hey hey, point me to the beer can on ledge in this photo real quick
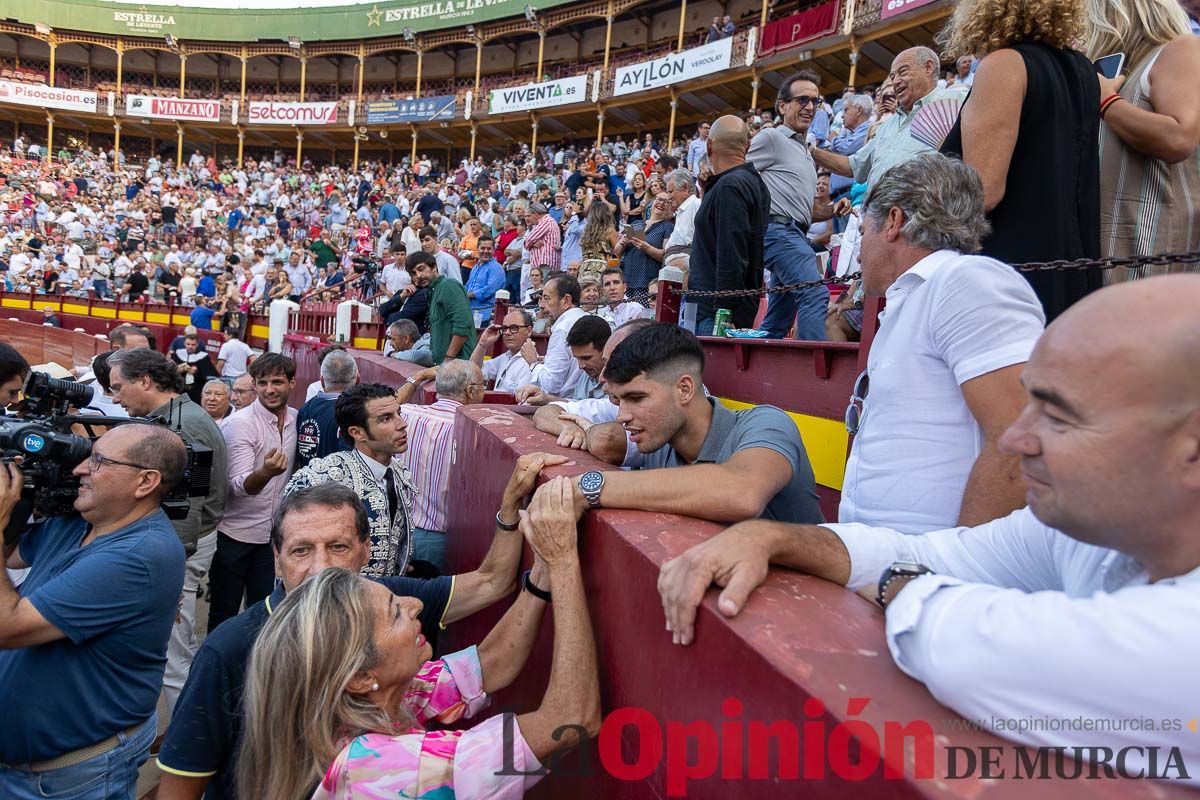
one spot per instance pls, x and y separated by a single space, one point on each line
722 321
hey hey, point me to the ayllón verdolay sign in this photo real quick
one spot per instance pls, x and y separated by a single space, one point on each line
266 113
142 105
675 68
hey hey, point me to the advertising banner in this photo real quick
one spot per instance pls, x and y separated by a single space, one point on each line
271 20
675 68
426 109
267 113
36 94
798 29
183 109
538 95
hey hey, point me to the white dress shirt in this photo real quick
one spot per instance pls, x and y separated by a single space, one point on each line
950 318
685 228
625 311
1021 621
510 371
559 371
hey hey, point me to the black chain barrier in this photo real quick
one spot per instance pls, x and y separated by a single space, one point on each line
1128 262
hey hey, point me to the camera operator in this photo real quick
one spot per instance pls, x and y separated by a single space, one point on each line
83 644
146 384
14 369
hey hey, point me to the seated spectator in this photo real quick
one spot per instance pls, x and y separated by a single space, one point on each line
1093 585
83 642
319 527
510 370
427 457
569 420
726 465
943 378
371 699
406 343
617 308
586 339
558 372
316 426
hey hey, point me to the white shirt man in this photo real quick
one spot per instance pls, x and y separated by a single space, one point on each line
559 371
19 263
949 318
236 355
685 228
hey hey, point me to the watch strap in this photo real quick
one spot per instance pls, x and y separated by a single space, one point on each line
506 526
528 585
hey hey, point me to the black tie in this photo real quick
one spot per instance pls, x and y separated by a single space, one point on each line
393 496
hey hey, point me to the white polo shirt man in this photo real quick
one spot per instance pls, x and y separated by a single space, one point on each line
948 319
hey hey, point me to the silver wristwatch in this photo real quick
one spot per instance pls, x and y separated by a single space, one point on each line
591 484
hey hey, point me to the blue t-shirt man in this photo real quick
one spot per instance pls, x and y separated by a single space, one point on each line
485 281
388 212
317 429
207 286
114 601
235 219
202 317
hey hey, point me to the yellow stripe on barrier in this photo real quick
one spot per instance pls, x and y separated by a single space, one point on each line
261 331
181 319
71 309
107 313
161 319
132 316
824 439
363 343
10 302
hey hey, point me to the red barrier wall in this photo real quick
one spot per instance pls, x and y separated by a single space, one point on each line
798 638
41 344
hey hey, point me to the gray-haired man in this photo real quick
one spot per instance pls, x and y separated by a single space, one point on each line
406 343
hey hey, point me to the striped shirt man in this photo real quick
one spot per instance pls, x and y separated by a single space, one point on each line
544 240
430 444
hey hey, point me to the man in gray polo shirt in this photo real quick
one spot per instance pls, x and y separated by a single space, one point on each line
731 465
781 157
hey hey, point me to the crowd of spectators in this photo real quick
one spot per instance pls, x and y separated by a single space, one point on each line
1025 452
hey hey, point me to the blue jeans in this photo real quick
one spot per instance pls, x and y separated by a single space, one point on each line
430 546
108 776
512 282
789 258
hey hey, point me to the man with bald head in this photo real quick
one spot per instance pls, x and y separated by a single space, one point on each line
731 225
83 643
1082 604
914 76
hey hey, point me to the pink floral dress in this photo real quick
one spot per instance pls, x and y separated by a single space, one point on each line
436 765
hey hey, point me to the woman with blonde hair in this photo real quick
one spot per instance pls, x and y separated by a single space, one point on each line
340 685
1031 128
1150 132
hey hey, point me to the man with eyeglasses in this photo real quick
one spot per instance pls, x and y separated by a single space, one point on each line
147 384
782 158
510 370
83 642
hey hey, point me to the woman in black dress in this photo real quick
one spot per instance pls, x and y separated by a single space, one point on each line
1031 128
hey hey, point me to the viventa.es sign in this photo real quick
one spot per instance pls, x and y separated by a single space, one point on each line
538 95
675 68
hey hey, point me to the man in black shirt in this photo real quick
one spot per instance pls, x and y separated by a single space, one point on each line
731 224
136 284
316 424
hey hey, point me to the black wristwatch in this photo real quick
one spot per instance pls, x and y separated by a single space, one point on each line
528 585
898 570
506 526
591 484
